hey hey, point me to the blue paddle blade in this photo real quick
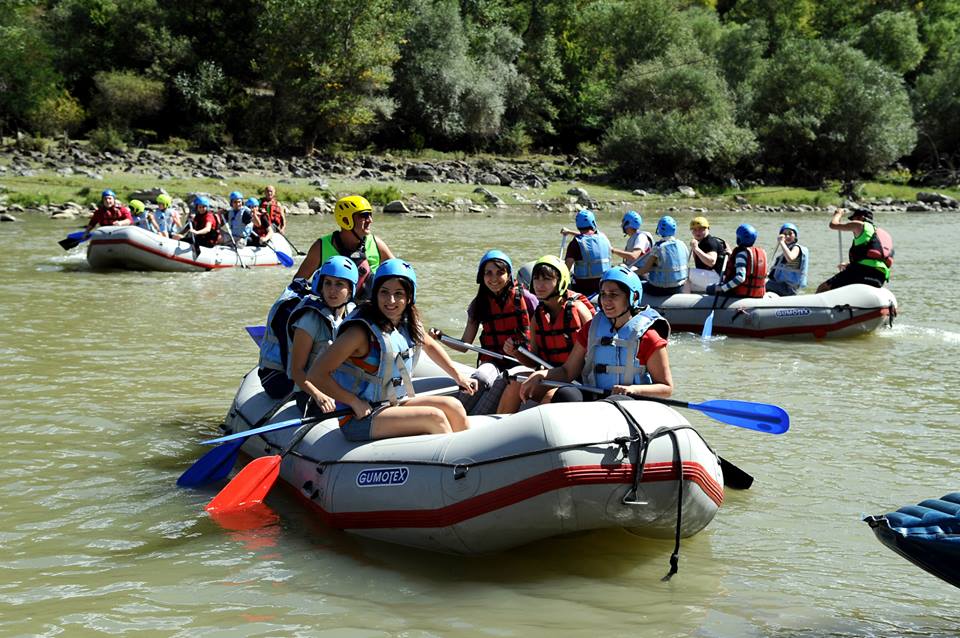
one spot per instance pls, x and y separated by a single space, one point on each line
256 333
285 260
212 466
708 327
80 234
762 417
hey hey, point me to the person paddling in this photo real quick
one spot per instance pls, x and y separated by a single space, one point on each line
314 322
622 350
639 242
205 226
239 219
870 255
746 271
789 271
355 239
109 213
164 215
372 360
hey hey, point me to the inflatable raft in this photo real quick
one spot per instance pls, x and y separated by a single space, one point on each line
507 481
134 248
927 535
843 312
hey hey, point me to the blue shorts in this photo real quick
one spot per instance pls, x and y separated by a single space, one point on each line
357 430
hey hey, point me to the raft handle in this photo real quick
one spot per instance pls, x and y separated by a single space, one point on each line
460 471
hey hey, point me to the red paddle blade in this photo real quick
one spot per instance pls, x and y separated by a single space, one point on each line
249 486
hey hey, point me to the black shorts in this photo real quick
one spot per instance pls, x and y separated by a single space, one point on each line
857 274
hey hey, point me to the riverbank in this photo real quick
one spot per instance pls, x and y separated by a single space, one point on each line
64 179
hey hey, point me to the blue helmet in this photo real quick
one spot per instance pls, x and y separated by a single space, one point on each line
396 268
337 266
107 193
235 195
201 201
490 255
631 219
746 235
252 202
667 226
585 219
790 226
627 278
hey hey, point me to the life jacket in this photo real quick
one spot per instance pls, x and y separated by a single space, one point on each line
877 251
671 268
612 355
164 220
261 222
594 256
141 221
634 242
512 319
385 374
240 222
555 336
275 347
211 238
755 285
274 212
792 274
367 257
112 215
329 322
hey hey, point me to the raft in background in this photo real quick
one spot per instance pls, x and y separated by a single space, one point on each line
927 535
133 248
843 312
507 481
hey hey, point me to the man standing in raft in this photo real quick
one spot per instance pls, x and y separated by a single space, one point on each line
870 256
354 216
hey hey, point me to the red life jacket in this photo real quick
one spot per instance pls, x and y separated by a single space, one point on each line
200 221
512 319
274 213
755 283
261 222
555 337
879 248
112 215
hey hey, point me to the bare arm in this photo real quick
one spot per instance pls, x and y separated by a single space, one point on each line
439 356
351 343
385 252
569 371
658 365
302 345
311 262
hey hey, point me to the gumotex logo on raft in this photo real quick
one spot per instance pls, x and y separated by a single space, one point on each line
793 312
382 476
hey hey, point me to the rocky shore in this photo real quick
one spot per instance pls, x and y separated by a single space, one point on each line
521 176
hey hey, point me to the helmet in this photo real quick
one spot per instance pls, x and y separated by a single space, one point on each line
490 255
164 200
137 206
699 222
626 277
235 195
107 193
345 208
667 226
746 235
201 201
585 219
252 202
396 268
790 226
337 266
631 219
554 262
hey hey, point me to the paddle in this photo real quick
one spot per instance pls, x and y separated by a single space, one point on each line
469 346
256 333
254 481
285 260
193 239
762 417
233 241
74 239
707 331
218 462
529 355
299 252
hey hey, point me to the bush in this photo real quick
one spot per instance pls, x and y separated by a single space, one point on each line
174 144
124 97
515 140
382 194
34 143
57 114
106 139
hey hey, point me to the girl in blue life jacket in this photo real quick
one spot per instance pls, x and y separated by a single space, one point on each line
372 360
622 350
313 324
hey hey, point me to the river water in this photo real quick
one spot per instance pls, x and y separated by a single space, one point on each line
110 379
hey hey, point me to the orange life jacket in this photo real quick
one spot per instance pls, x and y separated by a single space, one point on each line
512 319
755 283
555 335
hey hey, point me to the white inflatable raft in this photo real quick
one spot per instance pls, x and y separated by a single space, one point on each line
134 248
843 312
507 481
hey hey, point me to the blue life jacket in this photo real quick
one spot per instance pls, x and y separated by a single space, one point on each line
671 268
794 275
386 373
612 355
594 256
141 221
164 221
241 222
329 322
275 347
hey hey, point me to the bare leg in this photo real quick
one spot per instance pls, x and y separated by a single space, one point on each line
510 399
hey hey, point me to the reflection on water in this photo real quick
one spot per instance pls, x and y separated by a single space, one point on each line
111 379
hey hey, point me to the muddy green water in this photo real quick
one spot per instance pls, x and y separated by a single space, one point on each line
109 380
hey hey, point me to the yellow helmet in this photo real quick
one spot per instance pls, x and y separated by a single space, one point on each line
164 200
699 222
137 206
559 266
346 207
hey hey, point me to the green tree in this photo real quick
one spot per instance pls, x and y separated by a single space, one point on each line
938 112
124 98
27 74
330 64
891 38
57 114
826 109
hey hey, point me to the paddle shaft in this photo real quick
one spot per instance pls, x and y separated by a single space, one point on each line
469 346
529 355
295 249
235 248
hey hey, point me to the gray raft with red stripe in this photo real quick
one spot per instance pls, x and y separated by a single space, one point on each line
507 481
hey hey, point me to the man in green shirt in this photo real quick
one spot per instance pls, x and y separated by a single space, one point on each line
870 254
